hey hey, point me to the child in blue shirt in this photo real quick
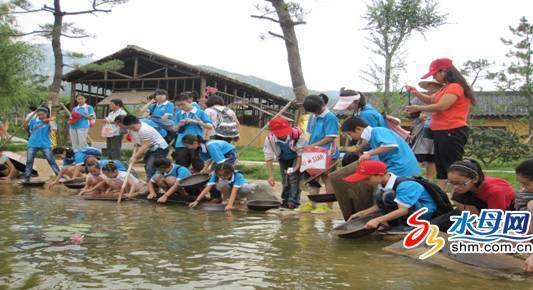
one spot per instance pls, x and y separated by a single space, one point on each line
218 151
159 112
79 128
40 129
74 161
229 182
323 127
188 121
167 177
393 199
385 145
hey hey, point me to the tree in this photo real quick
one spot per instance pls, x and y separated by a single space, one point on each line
518 75
19 86
58 29
390 24
288 15
491 145
475 68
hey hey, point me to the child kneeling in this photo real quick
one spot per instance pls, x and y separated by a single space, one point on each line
167 177
113 181
393 199
229 182
93 179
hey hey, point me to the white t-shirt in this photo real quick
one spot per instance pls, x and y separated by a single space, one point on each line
111 118
122 176
148 133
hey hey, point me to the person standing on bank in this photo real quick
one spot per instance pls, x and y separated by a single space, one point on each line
80 121
114 139
450 107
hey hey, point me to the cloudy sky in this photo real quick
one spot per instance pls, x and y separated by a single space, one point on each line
333 43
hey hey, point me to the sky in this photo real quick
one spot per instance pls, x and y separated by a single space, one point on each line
333 44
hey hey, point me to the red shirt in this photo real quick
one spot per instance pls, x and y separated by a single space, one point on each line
496 192
456 115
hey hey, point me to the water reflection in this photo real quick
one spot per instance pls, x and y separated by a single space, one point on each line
148 246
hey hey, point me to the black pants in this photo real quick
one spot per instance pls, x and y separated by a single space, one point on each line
468 198
449 148
114 146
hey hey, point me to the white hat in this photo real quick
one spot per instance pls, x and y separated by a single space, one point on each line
345 101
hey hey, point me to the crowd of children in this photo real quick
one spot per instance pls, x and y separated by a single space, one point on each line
387 163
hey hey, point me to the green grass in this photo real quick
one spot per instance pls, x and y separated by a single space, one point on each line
251 154
258 172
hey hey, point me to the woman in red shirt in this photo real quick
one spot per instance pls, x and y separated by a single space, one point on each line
450 107
473 191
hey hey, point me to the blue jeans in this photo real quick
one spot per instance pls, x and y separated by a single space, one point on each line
150 157
30 156
291 183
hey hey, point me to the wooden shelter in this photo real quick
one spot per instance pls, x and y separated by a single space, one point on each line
145 71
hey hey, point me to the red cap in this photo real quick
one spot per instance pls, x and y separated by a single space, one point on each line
437 65
280 127
366 169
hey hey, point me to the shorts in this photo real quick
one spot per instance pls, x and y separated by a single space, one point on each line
243 192
449 148
116 184
425 158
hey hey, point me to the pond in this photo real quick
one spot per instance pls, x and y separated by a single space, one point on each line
141 245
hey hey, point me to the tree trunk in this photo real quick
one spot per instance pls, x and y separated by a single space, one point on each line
53 94
386 85
293 55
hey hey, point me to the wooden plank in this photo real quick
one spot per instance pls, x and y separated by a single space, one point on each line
146 79
152 72
136 67
121 74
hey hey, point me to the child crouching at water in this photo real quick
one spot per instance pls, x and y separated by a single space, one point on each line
229 182
94 177
219 151
112 183
394 199
167 177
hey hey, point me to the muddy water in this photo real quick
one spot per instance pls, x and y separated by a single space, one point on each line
139 245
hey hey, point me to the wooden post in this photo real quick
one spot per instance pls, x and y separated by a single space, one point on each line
202 87
72 92
136 68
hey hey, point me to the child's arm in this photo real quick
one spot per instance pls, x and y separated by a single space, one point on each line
96 187
58 177
151 190
169 192
375 222
365 212
380 150
132 187
201 196
298 164
271 179
77 171
144 109
86 187
324 141
232 198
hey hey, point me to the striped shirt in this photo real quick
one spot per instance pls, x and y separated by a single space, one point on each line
148 133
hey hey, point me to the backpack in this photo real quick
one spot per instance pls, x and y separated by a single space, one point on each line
444 205
226 127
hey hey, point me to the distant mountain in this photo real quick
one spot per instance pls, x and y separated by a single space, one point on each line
269 86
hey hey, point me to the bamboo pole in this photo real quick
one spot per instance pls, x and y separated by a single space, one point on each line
130 166
266 126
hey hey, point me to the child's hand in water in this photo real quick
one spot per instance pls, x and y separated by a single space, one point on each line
356 215
193 204
228 207
151 195
162 199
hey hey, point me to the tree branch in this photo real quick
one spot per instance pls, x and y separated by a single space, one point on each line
33 32
265 17
294 23
87 12
280 36
30 11
75 36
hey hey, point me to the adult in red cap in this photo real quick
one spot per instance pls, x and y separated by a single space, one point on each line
395 197
285 144
450 107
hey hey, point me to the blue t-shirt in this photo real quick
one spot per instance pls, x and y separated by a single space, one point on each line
160 110
237 180
82 123
190 128
400 161
195 104
40 138
178 171
372 117
120 166
215 150
413 195
156 126
321 126
81 154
